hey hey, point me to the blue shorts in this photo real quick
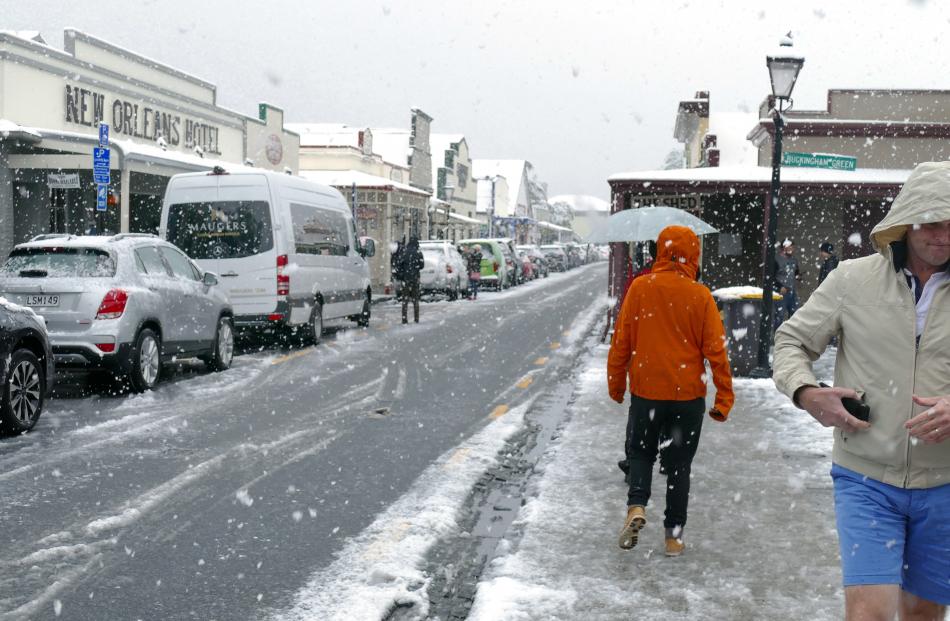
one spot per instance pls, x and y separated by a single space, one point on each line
891 535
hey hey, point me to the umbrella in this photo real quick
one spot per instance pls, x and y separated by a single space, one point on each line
645 224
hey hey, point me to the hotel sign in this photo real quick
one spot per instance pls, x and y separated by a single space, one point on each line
133 120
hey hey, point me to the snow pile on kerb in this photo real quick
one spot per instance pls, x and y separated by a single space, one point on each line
381 568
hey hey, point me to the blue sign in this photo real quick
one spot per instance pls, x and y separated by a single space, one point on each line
102 197
100 165
103 134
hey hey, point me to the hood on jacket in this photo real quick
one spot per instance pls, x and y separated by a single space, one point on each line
924 198
677 249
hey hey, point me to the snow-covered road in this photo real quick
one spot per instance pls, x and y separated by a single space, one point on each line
226 495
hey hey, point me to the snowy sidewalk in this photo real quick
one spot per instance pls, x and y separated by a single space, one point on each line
761 541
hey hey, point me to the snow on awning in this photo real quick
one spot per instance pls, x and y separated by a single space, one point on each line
763 174
9 129
346 178
553 227
465 219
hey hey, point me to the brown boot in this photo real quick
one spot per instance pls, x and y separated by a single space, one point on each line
630 534
674 541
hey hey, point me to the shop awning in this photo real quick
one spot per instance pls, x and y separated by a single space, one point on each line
553 227
363 181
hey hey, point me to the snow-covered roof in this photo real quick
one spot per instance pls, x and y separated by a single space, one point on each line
581 202
731 130
392 144
346 178
326 134
763 174
511 170
30 35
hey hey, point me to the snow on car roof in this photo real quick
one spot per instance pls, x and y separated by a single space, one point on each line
87 241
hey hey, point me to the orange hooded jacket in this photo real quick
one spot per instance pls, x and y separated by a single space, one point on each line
668 324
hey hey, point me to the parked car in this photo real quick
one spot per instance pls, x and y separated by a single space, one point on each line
286 248
537 259
125 303
556 257
495 270
444 270
26 367
515 273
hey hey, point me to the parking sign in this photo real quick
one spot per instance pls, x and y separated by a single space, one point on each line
100 165
103 134
102 197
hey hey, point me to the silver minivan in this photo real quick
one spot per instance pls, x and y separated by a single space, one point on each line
285 248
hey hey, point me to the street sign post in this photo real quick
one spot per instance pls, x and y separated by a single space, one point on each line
103 135
819 160
102 197
100 165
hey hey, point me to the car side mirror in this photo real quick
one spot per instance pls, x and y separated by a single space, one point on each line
367 247
209 279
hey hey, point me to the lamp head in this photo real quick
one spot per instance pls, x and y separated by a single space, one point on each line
784 66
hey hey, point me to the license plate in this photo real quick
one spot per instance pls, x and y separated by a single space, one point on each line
42 300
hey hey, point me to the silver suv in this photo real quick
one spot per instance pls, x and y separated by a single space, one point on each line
125 303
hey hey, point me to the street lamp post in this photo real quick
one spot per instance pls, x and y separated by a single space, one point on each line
783 70
448 191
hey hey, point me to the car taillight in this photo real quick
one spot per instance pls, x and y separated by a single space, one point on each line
107 348
113 304
283 280
495 264
448 269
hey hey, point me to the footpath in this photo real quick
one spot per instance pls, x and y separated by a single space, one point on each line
760 539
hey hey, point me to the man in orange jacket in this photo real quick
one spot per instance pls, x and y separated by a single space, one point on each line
668 325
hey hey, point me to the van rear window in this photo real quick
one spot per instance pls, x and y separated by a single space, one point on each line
221 229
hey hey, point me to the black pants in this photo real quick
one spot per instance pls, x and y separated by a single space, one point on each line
410 293
670 428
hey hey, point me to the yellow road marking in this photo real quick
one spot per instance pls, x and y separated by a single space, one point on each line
296 354
525 382
555 345
499 411
541 360
457 457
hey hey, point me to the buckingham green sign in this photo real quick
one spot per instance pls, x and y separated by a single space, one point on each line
819 160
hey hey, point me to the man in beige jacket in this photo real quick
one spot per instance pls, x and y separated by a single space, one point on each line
891 313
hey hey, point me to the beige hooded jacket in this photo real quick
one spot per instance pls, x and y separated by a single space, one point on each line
869 305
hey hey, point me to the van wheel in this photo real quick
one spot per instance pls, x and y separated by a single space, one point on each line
223 353
316 323
23 392
146 361
362 320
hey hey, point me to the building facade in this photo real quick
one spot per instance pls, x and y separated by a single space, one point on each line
881 135
162 121
453 210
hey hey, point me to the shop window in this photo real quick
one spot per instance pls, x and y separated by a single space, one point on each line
730 244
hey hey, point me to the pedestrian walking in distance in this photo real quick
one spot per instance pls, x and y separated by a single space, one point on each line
787 275
411 263
473 261
891 461
395 262
668 325
828 260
